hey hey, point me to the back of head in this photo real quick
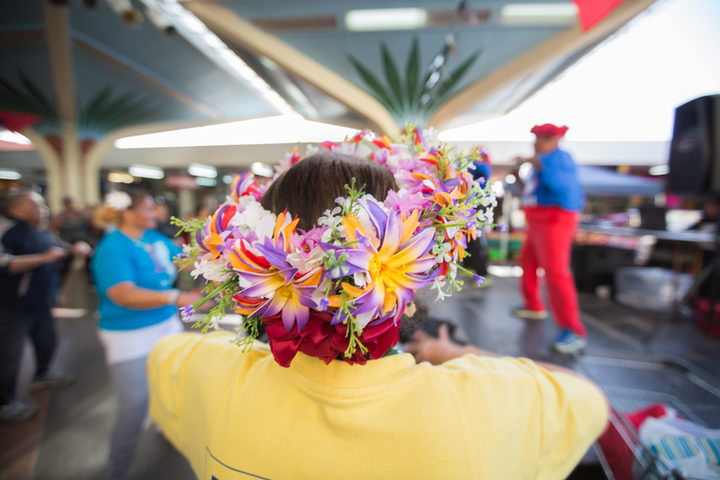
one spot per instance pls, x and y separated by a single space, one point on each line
311 186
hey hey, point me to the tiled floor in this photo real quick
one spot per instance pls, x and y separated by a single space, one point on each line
630 355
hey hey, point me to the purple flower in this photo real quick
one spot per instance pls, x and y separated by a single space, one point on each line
395 257
478 279
186 312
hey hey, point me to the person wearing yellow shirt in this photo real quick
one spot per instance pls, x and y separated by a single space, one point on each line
246 414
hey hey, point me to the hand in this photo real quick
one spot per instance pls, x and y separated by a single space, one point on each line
434 350
193 296
188 298
80 249
53 254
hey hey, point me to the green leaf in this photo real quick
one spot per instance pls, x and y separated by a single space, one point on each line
373 83
96 102
392 76
14 98
446 86
46 105
104 113
412 72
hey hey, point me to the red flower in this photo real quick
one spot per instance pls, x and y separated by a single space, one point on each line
328 342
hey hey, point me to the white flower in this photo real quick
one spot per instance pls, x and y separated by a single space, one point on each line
254 218
363 319
118 200
361 279
437 284
431 136
347 148
215 271
311 149
332 220
306 262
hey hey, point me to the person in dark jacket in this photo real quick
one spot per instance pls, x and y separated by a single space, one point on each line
26 300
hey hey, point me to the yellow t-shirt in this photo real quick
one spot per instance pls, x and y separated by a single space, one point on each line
238 415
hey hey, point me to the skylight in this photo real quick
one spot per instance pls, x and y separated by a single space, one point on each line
628 88
290 128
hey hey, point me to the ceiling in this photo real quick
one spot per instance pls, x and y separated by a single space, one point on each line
301 49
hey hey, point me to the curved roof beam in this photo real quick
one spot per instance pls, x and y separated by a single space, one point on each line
229 25
557 47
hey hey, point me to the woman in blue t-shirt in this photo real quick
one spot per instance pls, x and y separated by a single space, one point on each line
134 273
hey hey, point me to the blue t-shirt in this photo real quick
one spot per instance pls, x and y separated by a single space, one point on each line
558 182
146 262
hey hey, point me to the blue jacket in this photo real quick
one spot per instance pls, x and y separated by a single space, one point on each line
36 288
558 182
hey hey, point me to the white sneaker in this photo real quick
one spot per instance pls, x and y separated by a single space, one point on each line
568 342
17 411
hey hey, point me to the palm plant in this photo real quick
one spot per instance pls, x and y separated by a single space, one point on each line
414 98
105 111
29 99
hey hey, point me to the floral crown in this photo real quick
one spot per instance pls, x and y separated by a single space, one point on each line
118 200
339 289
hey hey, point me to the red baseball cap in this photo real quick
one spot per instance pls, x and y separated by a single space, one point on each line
549 130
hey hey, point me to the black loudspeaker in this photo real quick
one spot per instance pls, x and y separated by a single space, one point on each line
695 148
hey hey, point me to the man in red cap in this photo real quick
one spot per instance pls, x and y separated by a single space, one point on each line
552 212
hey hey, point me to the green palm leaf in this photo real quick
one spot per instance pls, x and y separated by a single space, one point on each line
445 88
97 102
104 113
413 100
374 84
412 71
392 76
44 103
14 98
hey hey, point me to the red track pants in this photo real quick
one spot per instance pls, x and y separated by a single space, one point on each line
549 242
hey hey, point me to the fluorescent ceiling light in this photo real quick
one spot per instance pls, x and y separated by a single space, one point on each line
205 182
146 171
260 131
120 177
385 19
13 137
197 34
538 14
200 170
10 175
658 170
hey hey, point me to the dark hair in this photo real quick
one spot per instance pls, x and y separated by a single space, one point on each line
16 199
311 186
137 196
